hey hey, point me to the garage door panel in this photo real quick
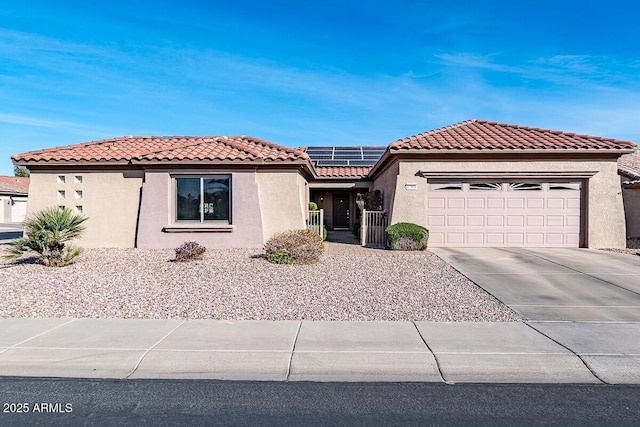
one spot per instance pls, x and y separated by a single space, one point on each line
536 203
455 237
572 220
475 203
535 239
514 238
573 203
493 203
436 238
515 221
495 220
505 216
455 220
495 239
455 203
436 202
436 220
515 203
555 203
572 239
555 239
475 221
555 221
535 220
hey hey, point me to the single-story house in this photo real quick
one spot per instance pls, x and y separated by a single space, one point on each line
13 196
475 183
629 170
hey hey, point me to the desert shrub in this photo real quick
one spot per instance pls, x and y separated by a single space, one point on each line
405 236
47 233
190 251
355 228
294 247
313 206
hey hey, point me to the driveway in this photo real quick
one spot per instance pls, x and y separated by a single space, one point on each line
580 285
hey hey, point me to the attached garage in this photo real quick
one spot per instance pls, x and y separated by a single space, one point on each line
479 183
508 213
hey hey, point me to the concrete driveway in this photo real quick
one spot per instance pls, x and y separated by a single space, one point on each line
578 285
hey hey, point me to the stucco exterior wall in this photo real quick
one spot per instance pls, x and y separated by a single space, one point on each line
283 201
109 200
387 183
324 200
156 212
605 214
631 198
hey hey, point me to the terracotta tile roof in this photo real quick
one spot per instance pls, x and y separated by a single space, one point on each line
342 171
14 185
629 165
15 181
165 148
484 135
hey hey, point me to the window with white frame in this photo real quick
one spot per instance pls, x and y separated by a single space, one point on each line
202 198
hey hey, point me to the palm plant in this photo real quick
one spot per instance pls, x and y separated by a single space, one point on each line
47 233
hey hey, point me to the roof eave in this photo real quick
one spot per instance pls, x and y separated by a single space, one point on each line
618 151
28 163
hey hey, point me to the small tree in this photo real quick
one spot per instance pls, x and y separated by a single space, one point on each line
47 233
21 172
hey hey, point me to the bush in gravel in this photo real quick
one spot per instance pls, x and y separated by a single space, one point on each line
406 236
47 233
294 247
190 251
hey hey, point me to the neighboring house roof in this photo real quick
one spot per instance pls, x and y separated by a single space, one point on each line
629 166
484 135
14 185
342 171
164 148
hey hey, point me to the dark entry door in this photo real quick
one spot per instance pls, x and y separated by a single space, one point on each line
341 210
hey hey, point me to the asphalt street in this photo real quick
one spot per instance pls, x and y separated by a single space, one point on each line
196 402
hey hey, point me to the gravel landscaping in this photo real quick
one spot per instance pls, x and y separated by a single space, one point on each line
633 247
241 284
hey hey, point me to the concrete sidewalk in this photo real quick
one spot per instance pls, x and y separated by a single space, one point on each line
549 352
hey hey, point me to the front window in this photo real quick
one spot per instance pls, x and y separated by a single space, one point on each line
203 199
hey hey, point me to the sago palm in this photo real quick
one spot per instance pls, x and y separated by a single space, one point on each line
47 233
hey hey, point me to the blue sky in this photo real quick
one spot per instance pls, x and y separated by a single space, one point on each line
312 73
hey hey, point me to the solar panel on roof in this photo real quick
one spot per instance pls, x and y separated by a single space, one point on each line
345 155
333 162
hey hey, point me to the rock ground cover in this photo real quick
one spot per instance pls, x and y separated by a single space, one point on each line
241 284
633 247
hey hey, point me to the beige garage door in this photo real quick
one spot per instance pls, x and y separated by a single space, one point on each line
517 214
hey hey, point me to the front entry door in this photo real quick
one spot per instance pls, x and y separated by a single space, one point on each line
341 211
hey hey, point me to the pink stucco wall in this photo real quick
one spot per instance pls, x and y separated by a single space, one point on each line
156 213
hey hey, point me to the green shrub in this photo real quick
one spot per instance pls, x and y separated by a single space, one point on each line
294 247
324 232
405 236
189 251
47 233
313 206
355 229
